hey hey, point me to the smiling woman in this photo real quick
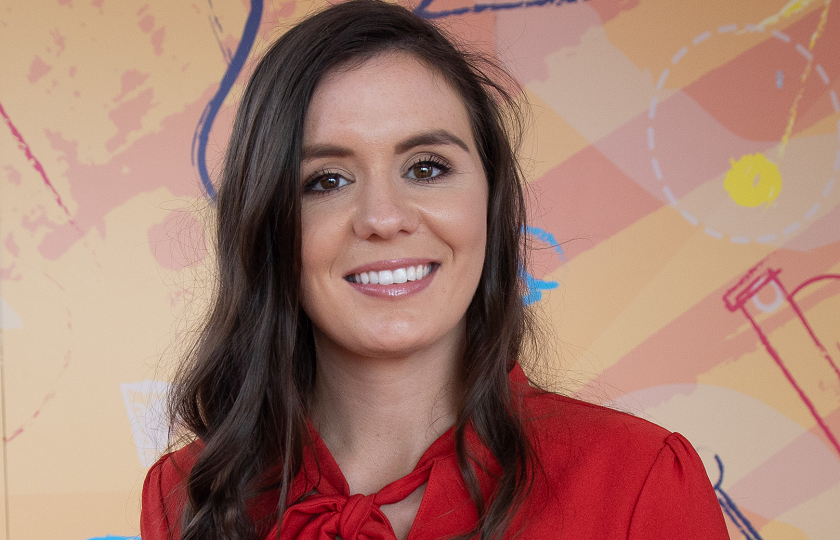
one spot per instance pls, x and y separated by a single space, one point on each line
358 376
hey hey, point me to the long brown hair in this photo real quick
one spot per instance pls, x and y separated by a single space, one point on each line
243 389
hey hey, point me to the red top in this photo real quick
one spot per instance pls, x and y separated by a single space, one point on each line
606 475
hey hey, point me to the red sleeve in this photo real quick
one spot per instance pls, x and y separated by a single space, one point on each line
677 499
163 500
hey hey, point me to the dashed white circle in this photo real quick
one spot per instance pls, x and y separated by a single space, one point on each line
656 167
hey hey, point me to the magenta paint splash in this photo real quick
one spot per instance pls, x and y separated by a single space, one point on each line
27 151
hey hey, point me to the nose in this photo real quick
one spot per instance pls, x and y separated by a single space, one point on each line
384 208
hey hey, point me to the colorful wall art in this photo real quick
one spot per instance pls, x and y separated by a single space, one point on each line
683 165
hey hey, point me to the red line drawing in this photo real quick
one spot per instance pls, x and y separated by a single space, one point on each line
47 398
35 163
808 365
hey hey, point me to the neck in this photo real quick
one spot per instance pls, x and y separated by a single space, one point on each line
378 415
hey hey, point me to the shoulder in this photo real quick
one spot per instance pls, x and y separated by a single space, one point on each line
579 441
164 495
593 458
586 423
557 423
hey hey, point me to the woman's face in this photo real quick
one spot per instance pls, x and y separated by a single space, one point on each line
394 211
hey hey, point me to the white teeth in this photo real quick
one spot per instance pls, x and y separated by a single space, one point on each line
398 275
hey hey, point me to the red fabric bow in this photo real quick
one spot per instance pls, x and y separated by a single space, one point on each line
325 517
331 512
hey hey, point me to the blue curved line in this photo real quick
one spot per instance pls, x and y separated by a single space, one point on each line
423 8
535 287
422 11
205 123
548 238
731 509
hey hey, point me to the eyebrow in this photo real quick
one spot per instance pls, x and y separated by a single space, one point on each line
432 138
435 137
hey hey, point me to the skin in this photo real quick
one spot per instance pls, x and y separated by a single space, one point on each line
390 171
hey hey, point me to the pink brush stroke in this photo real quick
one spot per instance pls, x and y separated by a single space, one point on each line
27 151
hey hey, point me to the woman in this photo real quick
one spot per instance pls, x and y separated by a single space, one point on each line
357 377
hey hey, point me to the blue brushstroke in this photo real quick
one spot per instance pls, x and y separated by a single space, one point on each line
423 11
205 123
780 78
548 238
537 286
225 50
216 26
111 537
731 509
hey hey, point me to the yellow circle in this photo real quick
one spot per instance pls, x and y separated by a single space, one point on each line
753 180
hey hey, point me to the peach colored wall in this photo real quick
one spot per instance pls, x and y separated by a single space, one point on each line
684 155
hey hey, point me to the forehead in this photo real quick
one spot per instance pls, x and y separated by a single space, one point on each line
384 96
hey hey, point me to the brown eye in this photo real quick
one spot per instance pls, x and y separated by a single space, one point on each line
327 182
423 170
426 169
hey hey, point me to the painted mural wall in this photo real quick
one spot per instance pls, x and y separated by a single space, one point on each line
685 219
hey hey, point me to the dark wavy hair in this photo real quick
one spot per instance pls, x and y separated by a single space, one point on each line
244 385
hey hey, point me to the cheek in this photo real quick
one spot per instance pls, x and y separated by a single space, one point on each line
468 229
317 253
308 252
320 230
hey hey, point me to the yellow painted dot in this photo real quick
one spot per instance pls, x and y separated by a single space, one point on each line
753 180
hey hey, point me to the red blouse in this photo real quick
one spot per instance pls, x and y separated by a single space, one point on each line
606 475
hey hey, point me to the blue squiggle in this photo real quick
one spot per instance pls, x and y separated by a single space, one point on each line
205 123
423 11
548 238
731 509
537 286
111 537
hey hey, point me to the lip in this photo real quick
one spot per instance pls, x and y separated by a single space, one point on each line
394 290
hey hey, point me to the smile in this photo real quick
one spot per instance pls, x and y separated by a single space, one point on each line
390 277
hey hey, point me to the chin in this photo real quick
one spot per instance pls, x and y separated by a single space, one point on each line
392 347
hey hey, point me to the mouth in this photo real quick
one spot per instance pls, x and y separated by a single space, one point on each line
393 276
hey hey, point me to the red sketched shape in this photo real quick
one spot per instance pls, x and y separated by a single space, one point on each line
36 164
792 366
707 334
